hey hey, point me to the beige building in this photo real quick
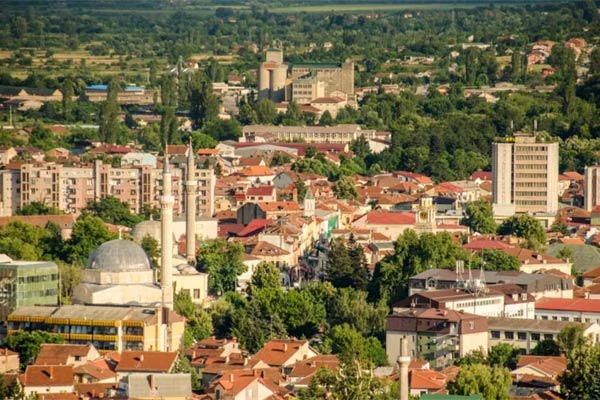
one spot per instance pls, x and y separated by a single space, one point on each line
272 77
525 176
591 187
305 90
70 189
434 335
344 133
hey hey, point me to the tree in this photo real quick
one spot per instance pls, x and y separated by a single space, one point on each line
350 345
266 112
204 105
504 355
280 159
595 61
152 248
88 233
183 366
492 382
498 260
360 147
526 227
220 129
479 217
198 322
350 306
67 99
28 344
339 264
292 115
345 188
266 275
546 347
37 208
202 140
412 255
301 189
302 316
70 277
223 261
565 253
113 211
580 379
358 263
326 119
109 112
42 137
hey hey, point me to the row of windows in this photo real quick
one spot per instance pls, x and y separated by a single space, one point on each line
530 184
485 302
532 166
37 278
531 202
510 335
38 293
531 148
531 158
529 176
574 319
530 193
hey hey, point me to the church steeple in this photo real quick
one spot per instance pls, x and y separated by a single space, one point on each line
309 203
190 204
166 228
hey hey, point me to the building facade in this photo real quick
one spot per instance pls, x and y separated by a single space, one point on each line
344 133
434 335
27 283
591 187
524 176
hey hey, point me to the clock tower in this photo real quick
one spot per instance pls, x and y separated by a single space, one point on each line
425 221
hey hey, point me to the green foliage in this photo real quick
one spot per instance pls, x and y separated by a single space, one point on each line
350 345
204 104
345 188
21 241
347 264
70 277
109 124
526 227
113 211
28 344
223 261
498 260
504 355
280 159
183 366
266 276
479 217
580 379
360 147
88 233
198 322
37 208
152 248
413 254
492 382
546 347
201 140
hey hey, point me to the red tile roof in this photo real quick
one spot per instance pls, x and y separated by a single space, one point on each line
146 361
254 227
481 175
577 305
551 365
278 351
425 379
486 244
260 191
58 354
47 375
267 206
391 218
256 170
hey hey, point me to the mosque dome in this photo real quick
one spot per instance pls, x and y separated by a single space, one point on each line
119 256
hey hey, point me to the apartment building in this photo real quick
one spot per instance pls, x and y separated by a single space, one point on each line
591 187
435 335
524 175
573 310
70 189
344 133
526 334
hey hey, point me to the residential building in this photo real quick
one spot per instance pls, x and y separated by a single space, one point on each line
548 367
283 353
129 95
501 300
574 310
591 187
435 335
66 354
108 328
537 284
9 361
525 176
525 334
533 261
159 386
342 134
157 362
41 379
27 283
241 385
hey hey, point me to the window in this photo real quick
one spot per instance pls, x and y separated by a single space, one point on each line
509 335
548 336
522 335
196 293
564 318
495 334
535 336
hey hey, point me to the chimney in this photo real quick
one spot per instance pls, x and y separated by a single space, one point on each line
51 372
285 347
231 377
152 382
295 195
141 358
193 354
245 361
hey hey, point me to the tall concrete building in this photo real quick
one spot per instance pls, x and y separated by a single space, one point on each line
591 187
272 75
524 176
304 82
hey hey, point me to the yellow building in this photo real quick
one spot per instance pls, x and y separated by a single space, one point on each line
108 328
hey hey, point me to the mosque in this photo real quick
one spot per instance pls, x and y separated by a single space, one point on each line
120 273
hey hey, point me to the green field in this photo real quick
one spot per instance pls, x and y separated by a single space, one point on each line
374 7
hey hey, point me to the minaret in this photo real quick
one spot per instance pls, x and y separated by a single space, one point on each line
309 204
404 361
190 205
166 232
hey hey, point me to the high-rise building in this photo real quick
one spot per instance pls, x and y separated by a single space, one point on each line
591 187
524 176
